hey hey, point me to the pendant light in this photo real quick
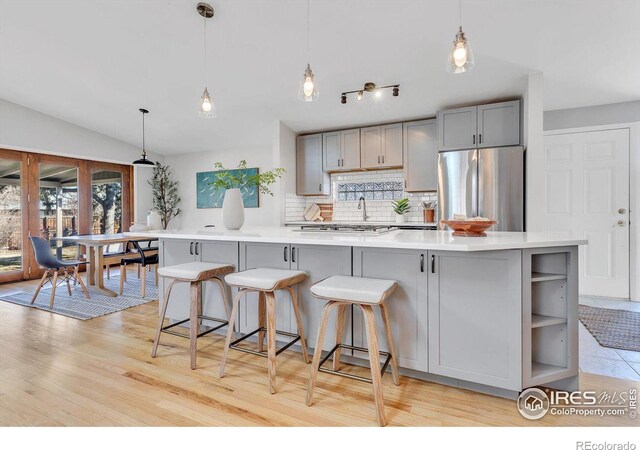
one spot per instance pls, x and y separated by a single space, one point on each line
308 90
460 57
206 107
143 161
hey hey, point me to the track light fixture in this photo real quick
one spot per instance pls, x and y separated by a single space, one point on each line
370 87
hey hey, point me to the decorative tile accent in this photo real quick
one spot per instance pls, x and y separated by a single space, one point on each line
388 190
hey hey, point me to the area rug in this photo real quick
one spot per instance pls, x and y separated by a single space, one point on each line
78 306
612 328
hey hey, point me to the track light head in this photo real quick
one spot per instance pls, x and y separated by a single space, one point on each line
343 98
396 91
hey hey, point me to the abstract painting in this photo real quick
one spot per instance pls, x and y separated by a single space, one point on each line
209 197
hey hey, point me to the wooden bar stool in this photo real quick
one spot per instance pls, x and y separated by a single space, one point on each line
265 282
194 273
342 291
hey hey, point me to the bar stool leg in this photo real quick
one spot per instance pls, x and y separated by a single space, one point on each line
230 327
374 361
154 350
318 351
296 310
342 312
200 306
271 339
261 319
390 344
193 320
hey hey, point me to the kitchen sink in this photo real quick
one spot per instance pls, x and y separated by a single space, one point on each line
347 228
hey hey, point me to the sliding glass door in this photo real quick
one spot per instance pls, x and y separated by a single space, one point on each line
53 197
12 219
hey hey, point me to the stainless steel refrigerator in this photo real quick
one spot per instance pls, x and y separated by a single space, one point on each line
487 182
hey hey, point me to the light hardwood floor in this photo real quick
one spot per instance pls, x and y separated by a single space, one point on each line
56 370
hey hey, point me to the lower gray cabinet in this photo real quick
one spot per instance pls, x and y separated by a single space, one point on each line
407 307
223 253
175 252
182 251
475 327
275 256
319 261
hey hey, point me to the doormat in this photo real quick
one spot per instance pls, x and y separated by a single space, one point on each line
78 306
614 328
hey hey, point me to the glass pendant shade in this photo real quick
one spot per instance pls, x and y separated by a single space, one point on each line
308 91
207 108
461 56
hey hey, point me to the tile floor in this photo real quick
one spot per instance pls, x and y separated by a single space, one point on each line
597 359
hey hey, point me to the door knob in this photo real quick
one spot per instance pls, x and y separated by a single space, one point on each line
622 211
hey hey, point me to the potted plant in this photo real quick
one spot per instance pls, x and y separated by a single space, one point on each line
233 182
401 207
165 194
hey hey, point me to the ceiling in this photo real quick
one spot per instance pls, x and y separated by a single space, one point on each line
94 63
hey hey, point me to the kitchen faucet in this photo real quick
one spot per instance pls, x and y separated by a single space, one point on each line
361 202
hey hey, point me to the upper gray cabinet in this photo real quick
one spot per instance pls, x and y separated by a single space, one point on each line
499 124
420 156
493 125
341 150
381 146
457 128
310 177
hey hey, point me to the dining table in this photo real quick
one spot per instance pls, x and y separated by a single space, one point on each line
95 245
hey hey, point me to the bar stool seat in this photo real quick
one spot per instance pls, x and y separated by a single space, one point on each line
265 279
265 282
194 273
354 289
343 291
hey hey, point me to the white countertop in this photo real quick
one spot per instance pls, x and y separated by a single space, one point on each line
408 239
298 223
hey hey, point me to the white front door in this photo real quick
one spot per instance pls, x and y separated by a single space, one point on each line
587 192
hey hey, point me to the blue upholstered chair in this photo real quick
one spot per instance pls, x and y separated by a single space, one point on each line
53 267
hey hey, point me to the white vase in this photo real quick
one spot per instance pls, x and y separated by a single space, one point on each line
233 209
154 221
401 218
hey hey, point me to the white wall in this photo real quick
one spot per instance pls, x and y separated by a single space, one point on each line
28 130
284 155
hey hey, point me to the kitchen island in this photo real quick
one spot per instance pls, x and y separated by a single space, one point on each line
495 314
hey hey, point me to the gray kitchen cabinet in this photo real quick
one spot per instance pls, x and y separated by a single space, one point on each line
310 176
331 151
407 306
475 327
370 147
341 150
457 128
391 145
174 252
499 124
319 262
223 252
420 156
381 146
275 256
492 125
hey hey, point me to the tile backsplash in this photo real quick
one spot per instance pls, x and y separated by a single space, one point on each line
378 187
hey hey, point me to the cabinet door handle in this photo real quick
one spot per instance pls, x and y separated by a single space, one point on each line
422 263
191 248
433 263
382 159
285 254
293 254
197 245
378 159
474 138
480 138
320 187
